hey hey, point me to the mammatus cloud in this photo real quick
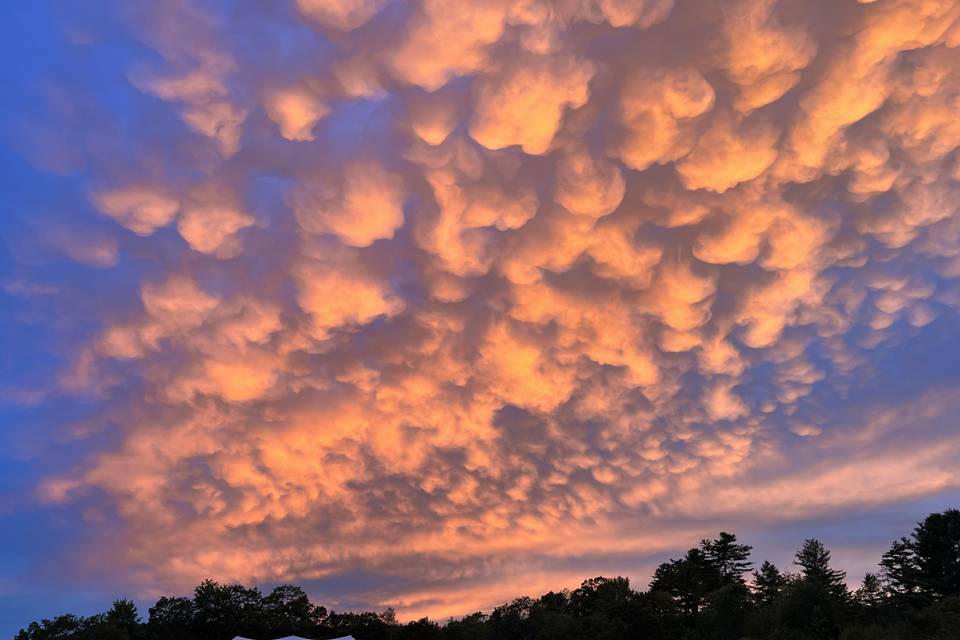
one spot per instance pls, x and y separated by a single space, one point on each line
428 289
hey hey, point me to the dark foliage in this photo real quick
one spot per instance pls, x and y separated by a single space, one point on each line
701 596
926 566
768 583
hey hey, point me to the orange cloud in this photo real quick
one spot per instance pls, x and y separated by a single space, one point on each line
366 205
438 289
526 106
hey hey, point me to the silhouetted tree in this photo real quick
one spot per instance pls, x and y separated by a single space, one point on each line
61 627
936 552
552 617
606 596
899 571
870 594
364 626
729 559
225 611
471 627
687 580
124 613
171 616
926 566
422 629
724 614
288 611
608 608
511 620
814 562
768 583
815 602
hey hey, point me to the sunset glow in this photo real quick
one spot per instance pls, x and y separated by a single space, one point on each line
431 304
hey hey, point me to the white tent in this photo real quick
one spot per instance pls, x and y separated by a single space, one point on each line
298 638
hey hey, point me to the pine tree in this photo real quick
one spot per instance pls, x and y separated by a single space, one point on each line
898 568
925 566
936 549
814 562
870 594
730 560
768 583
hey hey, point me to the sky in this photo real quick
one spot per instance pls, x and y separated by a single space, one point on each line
432 304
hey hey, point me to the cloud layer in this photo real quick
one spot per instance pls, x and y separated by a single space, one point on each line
430 290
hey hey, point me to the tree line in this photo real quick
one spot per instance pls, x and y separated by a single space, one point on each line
713 592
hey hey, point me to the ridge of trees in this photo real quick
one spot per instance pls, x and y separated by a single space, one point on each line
704 595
